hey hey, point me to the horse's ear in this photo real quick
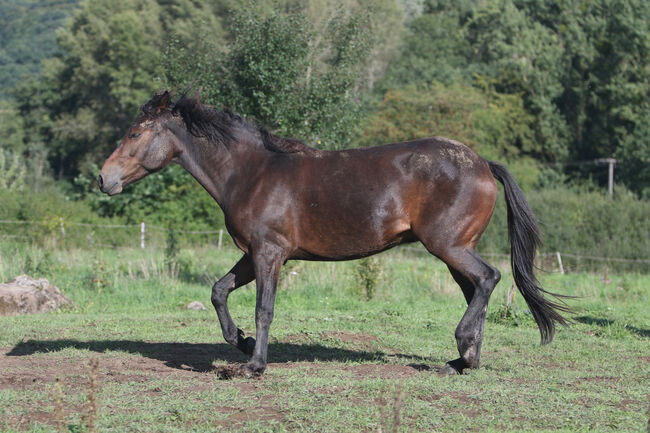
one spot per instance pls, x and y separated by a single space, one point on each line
165 102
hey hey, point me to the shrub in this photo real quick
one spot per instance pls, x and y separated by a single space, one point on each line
279 69
368 273
41 215
584 223
493 124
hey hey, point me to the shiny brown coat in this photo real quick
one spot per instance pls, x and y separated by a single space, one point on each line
283 200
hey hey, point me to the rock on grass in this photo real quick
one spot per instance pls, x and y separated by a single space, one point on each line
25 295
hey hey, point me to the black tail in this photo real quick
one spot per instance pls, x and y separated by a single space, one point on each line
524 240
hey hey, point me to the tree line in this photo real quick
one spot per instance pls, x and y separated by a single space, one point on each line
534 84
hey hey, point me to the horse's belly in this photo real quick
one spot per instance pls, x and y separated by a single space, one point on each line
349 238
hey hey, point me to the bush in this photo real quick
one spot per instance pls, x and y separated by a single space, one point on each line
368 274
301 81
171 197
584 223
493 124
39 217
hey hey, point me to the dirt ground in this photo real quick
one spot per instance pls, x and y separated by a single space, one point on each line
29 367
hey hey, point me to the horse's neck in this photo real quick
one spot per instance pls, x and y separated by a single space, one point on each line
214 166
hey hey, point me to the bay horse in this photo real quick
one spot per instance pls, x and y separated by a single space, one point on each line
284 200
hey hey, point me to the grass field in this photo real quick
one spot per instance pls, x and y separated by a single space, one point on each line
337 362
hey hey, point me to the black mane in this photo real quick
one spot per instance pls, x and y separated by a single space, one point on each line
222 126
201 120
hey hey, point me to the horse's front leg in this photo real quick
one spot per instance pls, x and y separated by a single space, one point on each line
242 273
268 260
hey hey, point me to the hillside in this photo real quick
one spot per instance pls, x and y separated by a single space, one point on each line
27 36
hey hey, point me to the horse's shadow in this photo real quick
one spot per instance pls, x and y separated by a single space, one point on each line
200 356
603 323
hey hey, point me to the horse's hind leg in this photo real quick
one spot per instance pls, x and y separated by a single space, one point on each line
477 279
242 273
466 285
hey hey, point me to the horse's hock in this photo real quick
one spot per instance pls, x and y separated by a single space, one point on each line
24 295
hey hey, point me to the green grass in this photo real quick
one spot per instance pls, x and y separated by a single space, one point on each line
337 361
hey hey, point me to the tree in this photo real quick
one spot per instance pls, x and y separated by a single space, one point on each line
581 68
276 71
524 57
435 47
85 98
27 36
495 125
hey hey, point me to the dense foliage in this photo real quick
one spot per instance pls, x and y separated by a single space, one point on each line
110 63
582 222
278 71
580 67
27 36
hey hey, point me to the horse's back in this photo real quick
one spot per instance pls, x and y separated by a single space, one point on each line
355 202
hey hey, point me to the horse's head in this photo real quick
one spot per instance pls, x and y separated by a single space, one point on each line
148 146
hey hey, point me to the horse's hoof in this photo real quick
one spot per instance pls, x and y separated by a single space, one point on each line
248 372
457 366
228 372
448 370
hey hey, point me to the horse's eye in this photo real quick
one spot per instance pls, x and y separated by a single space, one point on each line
134 135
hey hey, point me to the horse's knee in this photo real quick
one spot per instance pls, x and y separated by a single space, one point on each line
219 294
490 280
496 276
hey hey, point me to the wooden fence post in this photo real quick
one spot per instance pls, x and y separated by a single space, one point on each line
610 177
142 235
559 262
220 239
610 183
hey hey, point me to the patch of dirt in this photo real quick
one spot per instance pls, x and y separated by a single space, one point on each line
22 372
628 402
292 338
357 340
382 371
349 337
33 371
264 410
32 365
41 417
598 379
465 403
231 371
521 381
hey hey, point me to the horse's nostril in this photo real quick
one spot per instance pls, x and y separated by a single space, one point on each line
100 180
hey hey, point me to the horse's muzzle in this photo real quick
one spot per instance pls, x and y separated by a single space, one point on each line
108 185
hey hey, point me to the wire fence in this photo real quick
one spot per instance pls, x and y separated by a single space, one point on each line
57 232
563 262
